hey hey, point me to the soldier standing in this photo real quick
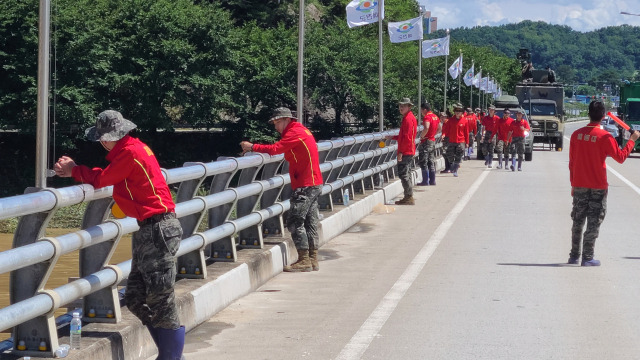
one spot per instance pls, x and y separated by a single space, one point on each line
590 147
489 123
141 192
502 129
427 147
406 149
457 130
472 120
301 151
444 117
516 137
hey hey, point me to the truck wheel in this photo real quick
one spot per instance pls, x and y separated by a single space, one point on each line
559 144
528 156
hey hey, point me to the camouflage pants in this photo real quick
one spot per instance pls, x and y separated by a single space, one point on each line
472 137
489 143
590 206
150 294
427 155
517 146
303 217
455 153
502 147
404 173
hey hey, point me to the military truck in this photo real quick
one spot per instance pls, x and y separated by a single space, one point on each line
629 109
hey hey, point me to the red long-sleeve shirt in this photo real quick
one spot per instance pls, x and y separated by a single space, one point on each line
517 128
457 130
472 123
139 188
502 127
407 136
490 123
434 122
301 151
588 151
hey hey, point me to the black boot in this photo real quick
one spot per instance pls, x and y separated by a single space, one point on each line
432 177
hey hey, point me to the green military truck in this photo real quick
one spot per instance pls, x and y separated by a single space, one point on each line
629 109
544 103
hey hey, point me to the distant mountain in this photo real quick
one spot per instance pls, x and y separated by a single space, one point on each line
601 56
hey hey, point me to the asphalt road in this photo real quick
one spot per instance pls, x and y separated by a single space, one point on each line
476 270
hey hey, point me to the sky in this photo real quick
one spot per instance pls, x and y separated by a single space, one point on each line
584 16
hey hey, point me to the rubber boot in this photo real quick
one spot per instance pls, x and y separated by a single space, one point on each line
170 343
454 170
425 178
154 334
500 162
302 265
519 164
490 161
313 256
432 177
513 164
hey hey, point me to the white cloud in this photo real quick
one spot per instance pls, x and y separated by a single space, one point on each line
582 16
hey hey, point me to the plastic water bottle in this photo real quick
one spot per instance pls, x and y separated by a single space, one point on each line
76 331
345 197
62 351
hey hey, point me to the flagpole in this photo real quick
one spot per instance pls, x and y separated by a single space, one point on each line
380 68
300 105
420 58
479 91
471 88
460 80
446 60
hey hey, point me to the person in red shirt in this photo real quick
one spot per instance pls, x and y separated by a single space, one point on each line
141 192
472 120
427 148
301 152
456 129
516 137
406 139
489 124
589 148
502 131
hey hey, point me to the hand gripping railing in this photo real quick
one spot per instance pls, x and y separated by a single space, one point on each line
255 187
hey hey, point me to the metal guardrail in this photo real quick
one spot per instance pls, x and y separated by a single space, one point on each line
258 197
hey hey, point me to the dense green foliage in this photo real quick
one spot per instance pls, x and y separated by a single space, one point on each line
603 56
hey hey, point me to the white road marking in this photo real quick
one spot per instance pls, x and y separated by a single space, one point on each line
360 342
619 176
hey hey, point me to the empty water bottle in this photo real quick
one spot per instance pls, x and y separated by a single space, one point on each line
75 331
62 351
345 197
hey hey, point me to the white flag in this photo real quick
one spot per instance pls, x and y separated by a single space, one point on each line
456 68
468 77
435 47
490 87
363 12
477 79
408 30
484 83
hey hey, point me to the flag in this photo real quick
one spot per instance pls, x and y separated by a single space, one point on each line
484 82
468 77
435 47
363 12
490 87
477 78
405 30
456 68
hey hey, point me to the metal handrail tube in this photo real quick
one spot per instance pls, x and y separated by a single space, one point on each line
23 256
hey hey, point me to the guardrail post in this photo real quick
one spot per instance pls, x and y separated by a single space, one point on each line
336 195
273 226
324 201
193 263
358 186
39 336
250 237
224 249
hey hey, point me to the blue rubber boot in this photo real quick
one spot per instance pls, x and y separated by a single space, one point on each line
432 178
170 343
592 262
425 178
154 334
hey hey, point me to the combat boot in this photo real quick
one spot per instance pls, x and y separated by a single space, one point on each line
407 200
302 265
313 256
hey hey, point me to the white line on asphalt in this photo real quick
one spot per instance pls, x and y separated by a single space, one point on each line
362 339
619 176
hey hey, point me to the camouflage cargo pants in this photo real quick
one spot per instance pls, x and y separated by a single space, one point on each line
517 147
590 206
150 294
303 217
503 147
455 153
404 172
427 155
488 143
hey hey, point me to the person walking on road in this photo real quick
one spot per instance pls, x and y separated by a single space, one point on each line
457 130
301 152
589 148
406 139
444 117
141 192
472 120
516 137
489 124
427 148
502 130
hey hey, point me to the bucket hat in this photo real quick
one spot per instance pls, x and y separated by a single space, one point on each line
405 101
281 112
110 126
458 106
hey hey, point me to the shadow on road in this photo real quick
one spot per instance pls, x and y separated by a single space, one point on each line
631 257
543 265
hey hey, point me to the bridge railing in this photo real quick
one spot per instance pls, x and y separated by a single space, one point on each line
246 200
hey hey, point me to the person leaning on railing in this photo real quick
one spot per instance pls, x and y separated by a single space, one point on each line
141 192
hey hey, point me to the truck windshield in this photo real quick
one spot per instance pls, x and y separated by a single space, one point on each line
634 111
543 109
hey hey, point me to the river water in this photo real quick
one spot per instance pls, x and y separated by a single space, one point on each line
66 267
